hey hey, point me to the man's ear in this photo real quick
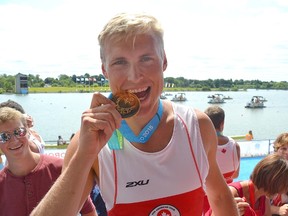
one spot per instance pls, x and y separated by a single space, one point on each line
165 63
104 72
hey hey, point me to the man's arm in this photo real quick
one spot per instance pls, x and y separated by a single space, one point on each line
219 195
97 126
64 196
72 148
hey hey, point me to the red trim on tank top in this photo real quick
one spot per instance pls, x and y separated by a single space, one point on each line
191 149
115 178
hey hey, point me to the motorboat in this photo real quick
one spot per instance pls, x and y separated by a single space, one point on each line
256 102
163 96
217 99
179 97
224 97
168 94
227 98
261 98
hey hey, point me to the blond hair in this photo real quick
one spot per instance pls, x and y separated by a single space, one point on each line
124 27
280 141
7 114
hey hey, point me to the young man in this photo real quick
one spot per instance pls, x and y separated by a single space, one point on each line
37 145
228 150
28 175
168 152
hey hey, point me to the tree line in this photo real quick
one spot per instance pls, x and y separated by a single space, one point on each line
7 83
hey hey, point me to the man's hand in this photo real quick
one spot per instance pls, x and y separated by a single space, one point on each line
97 124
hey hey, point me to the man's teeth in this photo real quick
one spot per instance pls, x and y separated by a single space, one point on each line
138 90
16 147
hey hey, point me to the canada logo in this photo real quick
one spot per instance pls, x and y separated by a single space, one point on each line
165 210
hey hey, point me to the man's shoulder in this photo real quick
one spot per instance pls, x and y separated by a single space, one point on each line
181 109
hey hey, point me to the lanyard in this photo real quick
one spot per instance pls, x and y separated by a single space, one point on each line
116 141
146 132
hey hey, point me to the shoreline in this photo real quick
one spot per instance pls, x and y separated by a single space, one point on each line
33 90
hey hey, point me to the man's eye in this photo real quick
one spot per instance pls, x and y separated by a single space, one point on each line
145 58
119 62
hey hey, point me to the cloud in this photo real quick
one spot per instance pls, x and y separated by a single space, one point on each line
204 39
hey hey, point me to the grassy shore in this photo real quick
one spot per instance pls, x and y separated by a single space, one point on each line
78 89
81 89
56 146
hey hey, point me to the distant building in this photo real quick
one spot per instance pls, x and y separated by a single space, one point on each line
21 84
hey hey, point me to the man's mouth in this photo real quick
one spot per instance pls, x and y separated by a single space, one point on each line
140 93
16 147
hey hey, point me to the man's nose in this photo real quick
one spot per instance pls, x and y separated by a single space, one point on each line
134 73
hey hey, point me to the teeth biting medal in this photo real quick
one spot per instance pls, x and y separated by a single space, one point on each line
127 104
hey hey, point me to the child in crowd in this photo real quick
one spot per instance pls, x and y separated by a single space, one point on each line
279 203
268 178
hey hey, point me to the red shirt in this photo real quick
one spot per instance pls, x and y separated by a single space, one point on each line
20 195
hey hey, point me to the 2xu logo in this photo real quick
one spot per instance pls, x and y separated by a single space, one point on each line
137 183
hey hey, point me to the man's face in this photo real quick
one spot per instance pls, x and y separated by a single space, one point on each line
15 137
136 66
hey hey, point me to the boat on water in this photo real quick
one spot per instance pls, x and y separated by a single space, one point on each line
224 97
261 98
179 97
217 99
256 102
227 98
163 96
168 94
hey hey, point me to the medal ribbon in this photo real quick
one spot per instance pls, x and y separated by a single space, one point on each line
116 140
146 132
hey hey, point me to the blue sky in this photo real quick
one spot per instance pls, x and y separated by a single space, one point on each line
229 39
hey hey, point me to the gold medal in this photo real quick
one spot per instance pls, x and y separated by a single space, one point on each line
127 104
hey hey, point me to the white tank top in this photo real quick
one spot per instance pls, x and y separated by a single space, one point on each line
133 176
227 159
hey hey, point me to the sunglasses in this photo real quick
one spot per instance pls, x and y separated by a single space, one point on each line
18 133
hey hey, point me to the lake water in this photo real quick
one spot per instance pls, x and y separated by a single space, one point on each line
59 113
246 167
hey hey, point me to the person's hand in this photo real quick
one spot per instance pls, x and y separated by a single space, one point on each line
283 210
29 120
241 205
97 124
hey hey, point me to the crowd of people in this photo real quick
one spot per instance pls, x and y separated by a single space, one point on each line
172 159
